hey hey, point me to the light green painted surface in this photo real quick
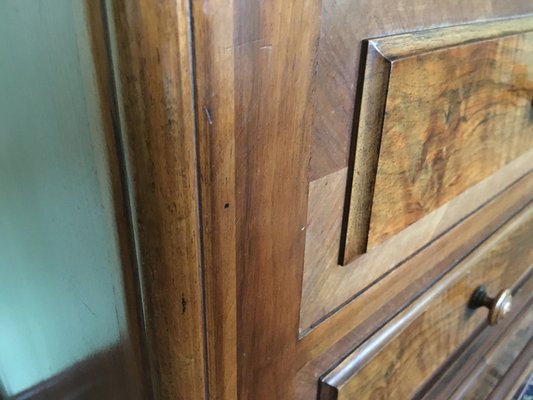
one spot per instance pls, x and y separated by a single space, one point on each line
60 289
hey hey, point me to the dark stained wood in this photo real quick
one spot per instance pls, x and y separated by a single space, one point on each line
440 108
344 25
254 67
151 51
216 106
408 350
255 63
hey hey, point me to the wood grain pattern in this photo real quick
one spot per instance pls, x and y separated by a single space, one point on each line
344 25
327 286
370 309
408 350
215 107
467 360
254 113
497 361
523 363
150 42
454 106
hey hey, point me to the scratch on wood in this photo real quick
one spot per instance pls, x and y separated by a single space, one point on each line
208 115
248 42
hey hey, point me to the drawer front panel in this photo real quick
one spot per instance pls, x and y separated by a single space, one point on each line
404 354
445 126
441 110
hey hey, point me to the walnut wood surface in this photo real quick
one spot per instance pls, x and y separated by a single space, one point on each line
216 109
151 51
497 361
215 106
255 73
254 112
444 109
327 286
408 350
370 309
507 385
471 358
344 25
254 68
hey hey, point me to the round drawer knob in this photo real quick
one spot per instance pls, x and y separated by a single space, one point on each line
498 306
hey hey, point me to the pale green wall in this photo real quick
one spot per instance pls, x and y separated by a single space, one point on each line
59 268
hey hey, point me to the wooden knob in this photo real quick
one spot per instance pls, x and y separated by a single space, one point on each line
498 306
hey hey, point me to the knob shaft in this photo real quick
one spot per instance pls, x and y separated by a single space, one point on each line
499 306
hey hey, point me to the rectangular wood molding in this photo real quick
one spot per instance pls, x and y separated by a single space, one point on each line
440 111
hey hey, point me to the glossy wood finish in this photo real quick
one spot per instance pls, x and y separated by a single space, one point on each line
391 363
152 61
350 326
438 109
344 26
498 360
255 63
327 286
215 105
464 367
254 72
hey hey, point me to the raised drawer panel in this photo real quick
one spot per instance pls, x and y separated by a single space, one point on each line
406 352
440 111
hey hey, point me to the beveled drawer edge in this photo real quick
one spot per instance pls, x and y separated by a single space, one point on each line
366 352
375 265
338 324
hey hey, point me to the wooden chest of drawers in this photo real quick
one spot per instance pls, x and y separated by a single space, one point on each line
266 199
357 173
